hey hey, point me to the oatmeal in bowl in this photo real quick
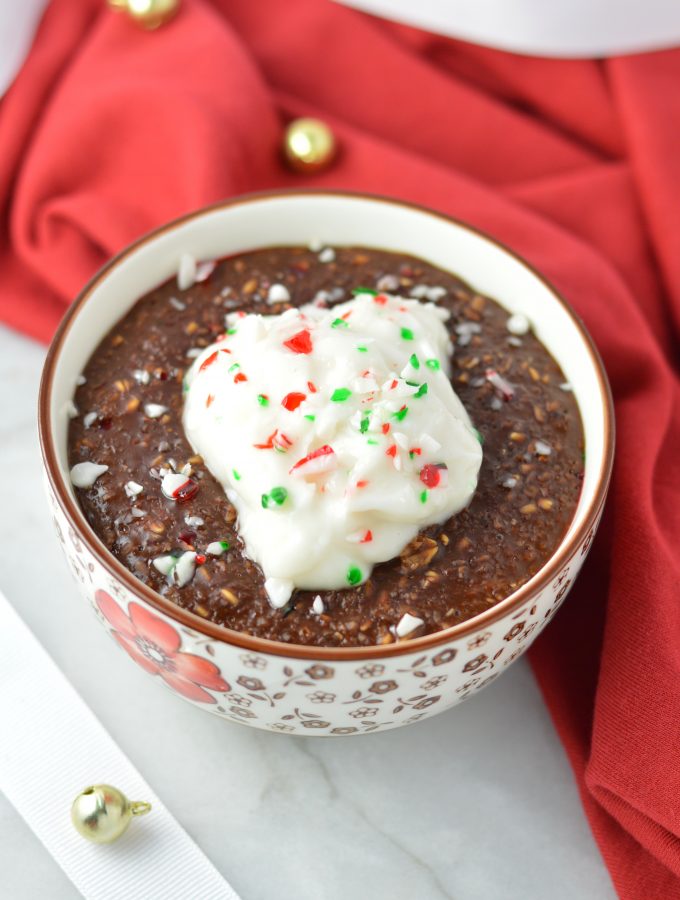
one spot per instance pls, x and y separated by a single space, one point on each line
335 437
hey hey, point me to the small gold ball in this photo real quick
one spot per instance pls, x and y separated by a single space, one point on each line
101 813
149 14
309 145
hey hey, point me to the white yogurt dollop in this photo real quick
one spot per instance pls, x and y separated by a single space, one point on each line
335 433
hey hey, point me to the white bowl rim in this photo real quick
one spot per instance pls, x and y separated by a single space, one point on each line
551 568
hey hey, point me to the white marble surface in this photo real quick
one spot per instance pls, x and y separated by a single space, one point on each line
476 803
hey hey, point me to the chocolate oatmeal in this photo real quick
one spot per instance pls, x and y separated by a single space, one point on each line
130 420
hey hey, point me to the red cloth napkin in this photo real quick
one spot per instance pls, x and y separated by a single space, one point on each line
109 130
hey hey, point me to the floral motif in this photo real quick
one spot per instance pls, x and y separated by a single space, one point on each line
243 712
383 687
432 683
516 629
239 700
321 697
155 646
373 670
350 729
427 701
250 684
318 672
363 712
473 664
315 723
281 726
563 590
479 640
251 661
444 657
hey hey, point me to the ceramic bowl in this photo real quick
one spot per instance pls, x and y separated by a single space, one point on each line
301 689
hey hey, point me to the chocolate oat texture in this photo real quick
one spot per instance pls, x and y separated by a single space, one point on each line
158 507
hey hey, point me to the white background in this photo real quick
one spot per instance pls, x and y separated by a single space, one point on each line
476 803
563 28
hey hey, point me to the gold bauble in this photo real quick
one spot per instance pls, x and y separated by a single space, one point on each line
149 14
101 813
308 145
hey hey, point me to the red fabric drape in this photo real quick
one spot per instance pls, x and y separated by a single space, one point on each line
109 130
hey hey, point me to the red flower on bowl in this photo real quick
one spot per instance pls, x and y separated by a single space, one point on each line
155 646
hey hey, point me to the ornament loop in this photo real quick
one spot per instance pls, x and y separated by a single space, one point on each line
139 807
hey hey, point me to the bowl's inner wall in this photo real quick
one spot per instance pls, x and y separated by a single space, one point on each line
336 220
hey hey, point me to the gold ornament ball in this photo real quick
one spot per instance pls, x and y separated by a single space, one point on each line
101 813
309 145
149 14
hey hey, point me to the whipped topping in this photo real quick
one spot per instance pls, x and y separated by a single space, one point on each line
335 433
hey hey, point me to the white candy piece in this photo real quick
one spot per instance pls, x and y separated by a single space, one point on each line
204 270
71 409
154 410
334 461
178 570
318 605
216 548
80 380
141 376
542 449
84 474
407 624
132 489
171 483
518 324
278 293
194 521
327 255
177 304
90 419
278 591
186 273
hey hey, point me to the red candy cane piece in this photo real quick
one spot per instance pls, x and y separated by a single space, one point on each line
293 400
316 463
300 342
211 359
503 389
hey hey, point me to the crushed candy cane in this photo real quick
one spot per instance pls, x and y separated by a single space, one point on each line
178 487
518 324
84 474
154 410
132 489
178 570
326 452
407 624
278 293
186 272
504 390
217 548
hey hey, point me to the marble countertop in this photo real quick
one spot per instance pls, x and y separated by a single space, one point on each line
478 802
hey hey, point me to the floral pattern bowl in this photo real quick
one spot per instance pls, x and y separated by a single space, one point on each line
302 689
